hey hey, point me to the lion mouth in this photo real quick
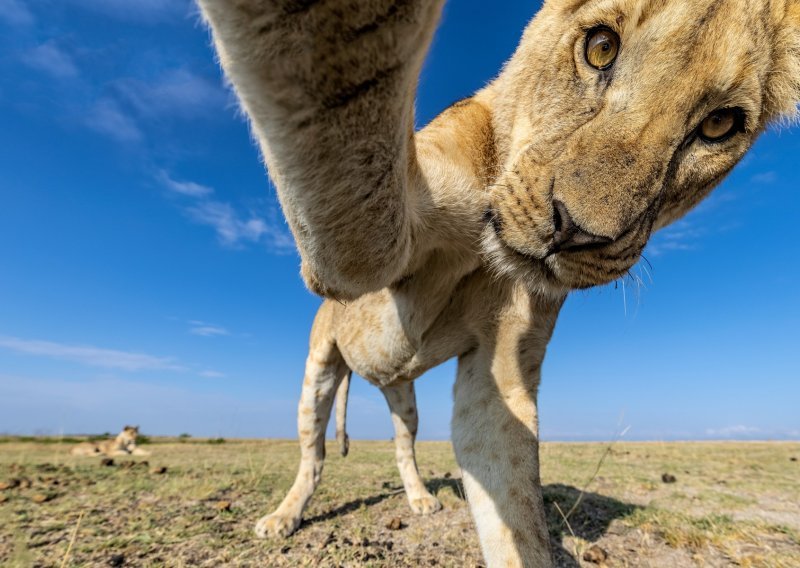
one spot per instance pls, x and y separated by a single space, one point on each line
505 259
558 269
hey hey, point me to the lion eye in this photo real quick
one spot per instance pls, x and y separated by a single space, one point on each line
602 48
720 125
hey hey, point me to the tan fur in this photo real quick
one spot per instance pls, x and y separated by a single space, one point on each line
124 444
341 415
442 241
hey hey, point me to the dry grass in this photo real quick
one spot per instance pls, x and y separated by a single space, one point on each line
732 505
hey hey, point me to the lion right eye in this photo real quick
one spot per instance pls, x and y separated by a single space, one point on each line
721 124
602 48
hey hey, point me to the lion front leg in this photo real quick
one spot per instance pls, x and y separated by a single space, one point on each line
495 436
329 88
325 369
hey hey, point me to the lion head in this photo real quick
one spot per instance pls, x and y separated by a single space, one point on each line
615 117
127 438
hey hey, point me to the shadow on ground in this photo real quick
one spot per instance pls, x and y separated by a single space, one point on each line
352 506
588 515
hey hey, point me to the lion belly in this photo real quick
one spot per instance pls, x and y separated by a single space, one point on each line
396 335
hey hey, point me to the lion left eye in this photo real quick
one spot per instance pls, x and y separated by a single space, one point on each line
602 48
721 124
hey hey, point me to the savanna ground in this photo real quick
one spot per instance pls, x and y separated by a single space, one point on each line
730 504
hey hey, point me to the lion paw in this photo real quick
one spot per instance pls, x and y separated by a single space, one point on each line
276 525
425 505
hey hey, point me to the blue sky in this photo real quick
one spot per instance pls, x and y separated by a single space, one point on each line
147 276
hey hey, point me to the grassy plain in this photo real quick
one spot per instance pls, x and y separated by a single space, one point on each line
731 504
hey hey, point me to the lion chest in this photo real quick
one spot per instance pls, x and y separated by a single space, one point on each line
398 334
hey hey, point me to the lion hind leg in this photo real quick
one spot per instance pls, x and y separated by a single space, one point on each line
341 415
85 449
325 369
403 404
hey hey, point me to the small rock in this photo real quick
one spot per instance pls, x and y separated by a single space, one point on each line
222 505
10 484
395 524
116 560
595 555
42 497
285 548
25 483
107 462
3 498
448 475
159 470
328 540
668 478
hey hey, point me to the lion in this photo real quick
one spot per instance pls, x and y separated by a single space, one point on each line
124 444
612 119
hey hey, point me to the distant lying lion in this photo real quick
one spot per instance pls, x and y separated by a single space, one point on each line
124 444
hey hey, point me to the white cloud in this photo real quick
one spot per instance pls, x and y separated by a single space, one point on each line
764 178
147 11
15 13
176 94
90 355
51 60
105 404
739 430
743 432
188 188
107 118
233 229
680 236
207 330
212 374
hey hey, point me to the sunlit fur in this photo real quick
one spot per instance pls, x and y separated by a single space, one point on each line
618 147
439 244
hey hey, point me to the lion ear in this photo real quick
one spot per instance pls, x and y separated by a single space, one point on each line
793 13
783 88
793 19
564 5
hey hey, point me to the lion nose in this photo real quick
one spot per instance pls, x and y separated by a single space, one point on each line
568 235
